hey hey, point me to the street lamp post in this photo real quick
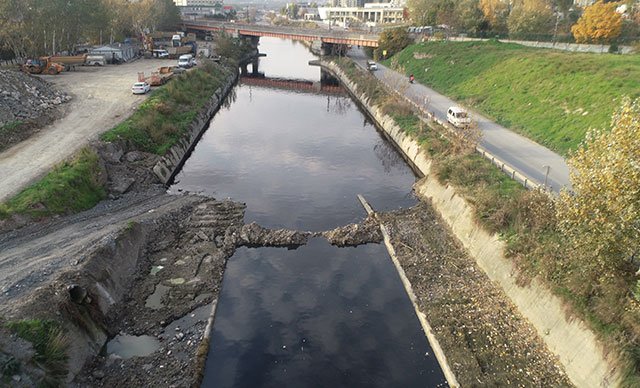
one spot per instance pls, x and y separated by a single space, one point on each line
546 175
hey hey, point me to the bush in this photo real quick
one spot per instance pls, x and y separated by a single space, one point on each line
50 343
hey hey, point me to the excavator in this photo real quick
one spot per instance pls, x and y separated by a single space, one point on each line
43 65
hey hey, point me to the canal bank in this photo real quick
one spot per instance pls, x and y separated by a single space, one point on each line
156 270
576 347
87 272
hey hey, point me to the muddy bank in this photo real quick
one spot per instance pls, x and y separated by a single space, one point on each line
174 289
486 340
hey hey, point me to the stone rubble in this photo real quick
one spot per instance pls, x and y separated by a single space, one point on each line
24 97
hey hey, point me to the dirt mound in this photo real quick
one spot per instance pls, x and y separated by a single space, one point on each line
25 97
26 103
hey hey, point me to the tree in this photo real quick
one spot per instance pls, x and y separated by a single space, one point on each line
470 18
601 217
168 15
431 12
530 17
393 41
496 13
600 23
563 8
420 12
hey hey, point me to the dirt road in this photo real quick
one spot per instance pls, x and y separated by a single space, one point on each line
101 99
34 255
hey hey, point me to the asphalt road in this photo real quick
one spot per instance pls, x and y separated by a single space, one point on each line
522 154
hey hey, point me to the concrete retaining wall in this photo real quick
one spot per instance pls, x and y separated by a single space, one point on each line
175 157
574 47
568 337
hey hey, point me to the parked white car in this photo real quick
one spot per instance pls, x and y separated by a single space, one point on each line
185 61
140 88
458 117
159 53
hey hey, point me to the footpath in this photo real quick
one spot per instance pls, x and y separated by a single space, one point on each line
509 150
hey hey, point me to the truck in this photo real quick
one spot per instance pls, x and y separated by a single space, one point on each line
69 61
182 44
160 77
95 60
175 52
42 65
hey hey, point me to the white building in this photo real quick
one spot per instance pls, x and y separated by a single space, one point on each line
195 3
371 14
199 7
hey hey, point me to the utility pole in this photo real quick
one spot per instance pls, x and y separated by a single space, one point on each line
546 175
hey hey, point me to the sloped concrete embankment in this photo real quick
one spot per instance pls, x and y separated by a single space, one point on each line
577 348
167 167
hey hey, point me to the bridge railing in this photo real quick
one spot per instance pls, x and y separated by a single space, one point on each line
319 33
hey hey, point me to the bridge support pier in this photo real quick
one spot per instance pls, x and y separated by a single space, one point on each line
335 49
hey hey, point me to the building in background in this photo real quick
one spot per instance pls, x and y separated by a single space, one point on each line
369 14
199 7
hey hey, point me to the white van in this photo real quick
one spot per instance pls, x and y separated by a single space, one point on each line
458 117
185 61
160 53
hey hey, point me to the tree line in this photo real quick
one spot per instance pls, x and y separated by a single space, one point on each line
601 22
30 28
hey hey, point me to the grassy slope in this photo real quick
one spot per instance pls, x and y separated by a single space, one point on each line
164 117
550 96
72 186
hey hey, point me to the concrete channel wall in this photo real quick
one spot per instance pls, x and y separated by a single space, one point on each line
172 161
577 348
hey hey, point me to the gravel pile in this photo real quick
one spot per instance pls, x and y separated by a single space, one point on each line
24 97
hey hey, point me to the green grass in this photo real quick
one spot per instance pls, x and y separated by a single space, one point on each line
550 96
165 116
50 344
70 187
8 131
9 127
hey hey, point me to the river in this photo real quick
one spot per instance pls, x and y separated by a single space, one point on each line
316 316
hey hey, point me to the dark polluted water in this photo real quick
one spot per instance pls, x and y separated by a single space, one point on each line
316 316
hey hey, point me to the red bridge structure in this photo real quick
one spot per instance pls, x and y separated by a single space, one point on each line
321 35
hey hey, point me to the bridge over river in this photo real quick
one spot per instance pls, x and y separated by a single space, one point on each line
334 37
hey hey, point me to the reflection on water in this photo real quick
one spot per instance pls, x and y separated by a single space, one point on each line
318 316
295 162
128 346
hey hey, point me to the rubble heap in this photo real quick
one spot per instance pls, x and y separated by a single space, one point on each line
24 97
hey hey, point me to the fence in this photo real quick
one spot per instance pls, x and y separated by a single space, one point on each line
11 62
574 47
427 116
